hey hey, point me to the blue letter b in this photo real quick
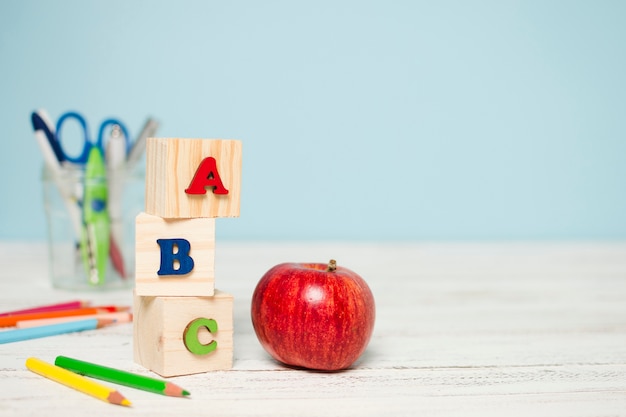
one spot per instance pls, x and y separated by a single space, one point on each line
169 257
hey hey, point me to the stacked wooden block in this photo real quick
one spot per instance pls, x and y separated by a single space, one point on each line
182 324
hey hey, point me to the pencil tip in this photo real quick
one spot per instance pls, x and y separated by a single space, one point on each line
105 322
116 398
174 390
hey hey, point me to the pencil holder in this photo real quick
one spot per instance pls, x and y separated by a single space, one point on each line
91 227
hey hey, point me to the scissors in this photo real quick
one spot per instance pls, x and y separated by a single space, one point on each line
88 144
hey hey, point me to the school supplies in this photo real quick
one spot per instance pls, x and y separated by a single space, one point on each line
8 321
137 150
67 305
9 336
91 219
73 380
88 144
41 122
115 162
120 377
95 239
53 158
117 318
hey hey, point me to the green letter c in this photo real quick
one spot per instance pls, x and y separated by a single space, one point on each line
190 336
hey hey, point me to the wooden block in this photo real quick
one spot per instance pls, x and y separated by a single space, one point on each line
156 240
163 327
172 165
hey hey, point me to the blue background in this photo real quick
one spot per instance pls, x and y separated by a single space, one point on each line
371 120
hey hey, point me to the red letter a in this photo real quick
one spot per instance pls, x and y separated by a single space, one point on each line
206 176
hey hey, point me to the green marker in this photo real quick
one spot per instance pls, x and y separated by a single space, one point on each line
95 236
120 377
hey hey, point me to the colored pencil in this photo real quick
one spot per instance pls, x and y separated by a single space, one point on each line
12 320
18 335
68 305
79 383
120 377
119 317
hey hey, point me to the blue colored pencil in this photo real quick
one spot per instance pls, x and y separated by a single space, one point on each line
9 336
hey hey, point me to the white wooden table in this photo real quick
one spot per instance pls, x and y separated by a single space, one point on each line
462 329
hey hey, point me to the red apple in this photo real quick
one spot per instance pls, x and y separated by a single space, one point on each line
314 316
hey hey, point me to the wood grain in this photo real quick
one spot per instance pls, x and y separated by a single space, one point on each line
199 232
500 329
159 324
171 164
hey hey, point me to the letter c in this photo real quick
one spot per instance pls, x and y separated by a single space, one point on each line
190 336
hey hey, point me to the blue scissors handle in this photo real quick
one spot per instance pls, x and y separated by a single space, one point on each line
82 157
88 144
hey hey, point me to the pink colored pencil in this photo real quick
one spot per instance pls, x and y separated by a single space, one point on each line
9 321
120 317
68 305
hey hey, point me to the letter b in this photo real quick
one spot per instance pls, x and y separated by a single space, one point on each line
170 257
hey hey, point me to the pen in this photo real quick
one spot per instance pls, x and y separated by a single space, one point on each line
149 130
44 136
41 121
115 160
95 240
116 149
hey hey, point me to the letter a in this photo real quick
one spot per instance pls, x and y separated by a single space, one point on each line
169 258
206 176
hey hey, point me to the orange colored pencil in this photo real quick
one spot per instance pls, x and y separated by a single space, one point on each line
118 317
9 321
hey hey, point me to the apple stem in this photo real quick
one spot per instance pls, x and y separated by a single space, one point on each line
332 265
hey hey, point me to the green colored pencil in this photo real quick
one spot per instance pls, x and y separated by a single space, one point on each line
120 377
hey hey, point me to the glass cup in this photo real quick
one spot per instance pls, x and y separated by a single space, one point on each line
91 227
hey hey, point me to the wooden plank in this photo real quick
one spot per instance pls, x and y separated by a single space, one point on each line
172 164
151 277
463 329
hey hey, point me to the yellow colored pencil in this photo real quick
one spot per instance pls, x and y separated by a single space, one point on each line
76 381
